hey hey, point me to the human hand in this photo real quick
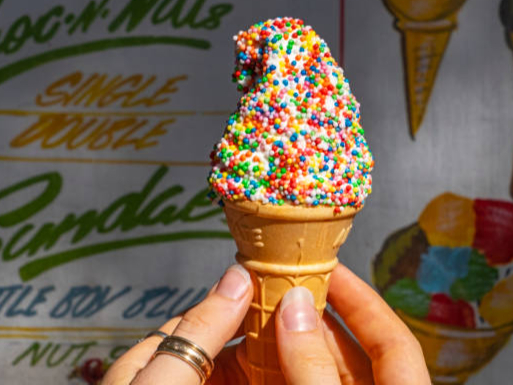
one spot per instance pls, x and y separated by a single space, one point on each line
210 324
386 353
311 350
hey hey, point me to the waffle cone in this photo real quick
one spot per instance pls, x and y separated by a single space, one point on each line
424 45
282 247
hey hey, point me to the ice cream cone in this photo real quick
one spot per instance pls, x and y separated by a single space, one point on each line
282 247
426 26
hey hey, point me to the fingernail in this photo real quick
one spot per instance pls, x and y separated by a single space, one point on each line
235 282
297 310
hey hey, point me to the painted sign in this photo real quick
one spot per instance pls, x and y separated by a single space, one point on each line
109 110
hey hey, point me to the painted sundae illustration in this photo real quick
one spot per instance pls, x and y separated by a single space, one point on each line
426 27
450 277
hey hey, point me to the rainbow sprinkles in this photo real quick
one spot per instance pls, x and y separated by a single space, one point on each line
295 137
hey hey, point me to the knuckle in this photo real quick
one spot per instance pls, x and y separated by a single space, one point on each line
382 348
316 361
416 344
404 344
409 341
194 322
322 370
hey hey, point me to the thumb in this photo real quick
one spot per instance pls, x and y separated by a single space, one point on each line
305 358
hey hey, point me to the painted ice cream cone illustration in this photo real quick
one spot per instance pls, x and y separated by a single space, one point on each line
291 170
449 277
506 15
426 27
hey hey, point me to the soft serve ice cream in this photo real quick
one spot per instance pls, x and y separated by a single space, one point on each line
295 137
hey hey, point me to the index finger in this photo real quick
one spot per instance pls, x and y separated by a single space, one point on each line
395 353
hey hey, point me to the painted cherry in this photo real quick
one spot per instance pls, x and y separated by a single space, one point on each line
494 230
92 371
444 310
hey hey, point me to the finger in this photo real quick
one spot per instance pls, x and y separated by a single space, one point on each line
210 325
129 364
240 331
304 356
354 367
136 358
395 353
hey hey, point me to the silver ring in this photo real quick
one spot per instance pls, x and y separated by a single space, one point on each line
157 333
188 352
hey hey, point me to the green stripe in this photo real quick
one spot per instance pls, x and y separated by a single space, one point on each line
24 65
35 268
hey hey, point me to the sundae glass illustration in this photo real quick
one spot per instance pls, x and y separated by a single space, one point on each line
449 276
426 26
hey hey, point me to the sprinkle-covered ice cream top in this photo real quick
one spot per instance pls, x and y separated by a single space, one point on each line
295 137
